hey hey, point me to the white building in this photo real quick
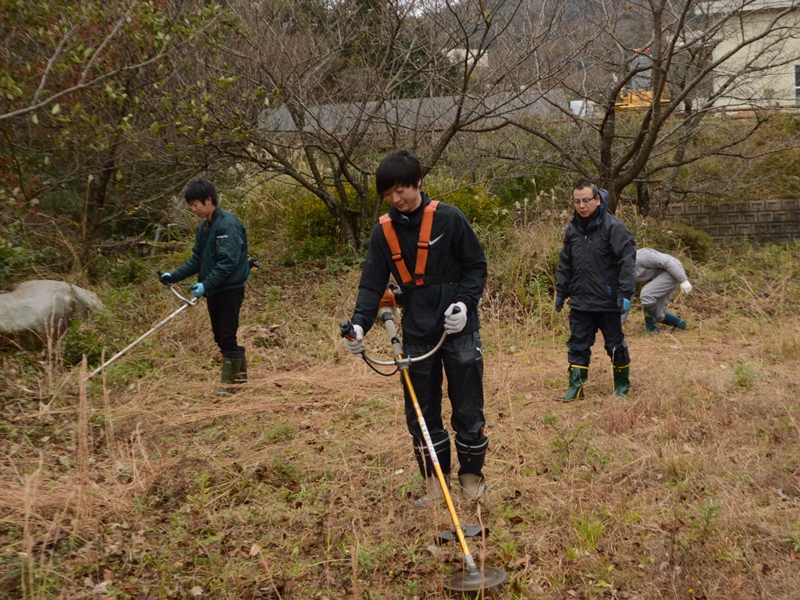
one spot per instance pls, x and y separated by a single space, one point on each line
766 72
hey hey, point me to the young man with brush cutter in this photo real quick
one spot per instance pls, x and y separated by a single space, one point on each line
433 254
596 273
220 257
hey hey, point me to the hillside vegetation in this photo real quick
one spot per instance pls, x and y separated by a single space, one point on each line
149 486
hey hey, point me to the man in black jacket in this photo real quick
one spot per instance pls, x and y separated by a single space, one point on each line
454 276
596 273
220 257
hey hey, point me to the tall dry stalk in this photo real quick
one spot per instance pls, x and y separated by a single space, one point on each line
354 558
83 445
27 564
54 362
109 423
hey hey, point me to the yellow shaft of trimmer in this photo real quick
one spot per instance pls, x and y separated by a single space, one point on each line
438 469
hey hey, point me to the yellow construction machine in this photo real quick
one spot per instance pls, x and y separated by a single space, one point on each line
639 96
638 99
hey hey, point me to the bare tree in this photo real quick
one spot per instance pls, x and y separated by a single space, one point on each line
334 84
680 61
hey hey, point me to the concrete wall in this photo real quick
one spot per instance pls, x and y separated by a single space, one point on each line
759 220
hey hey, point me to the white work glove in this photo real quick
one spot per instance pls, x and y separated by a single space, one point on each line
686 287
454 321
355 346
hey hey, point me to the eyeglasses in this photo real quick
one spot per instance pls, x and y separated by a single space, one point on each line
585 201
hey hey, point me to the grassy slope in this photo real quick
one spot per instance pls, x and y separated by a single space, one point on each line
298 486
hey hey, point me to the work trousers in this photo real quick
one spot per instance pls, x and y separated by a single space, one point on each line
461 358
224 312
583 327
658 292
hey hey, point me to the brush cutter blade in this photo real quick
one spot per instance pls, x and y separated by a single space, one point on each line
469 531
492 577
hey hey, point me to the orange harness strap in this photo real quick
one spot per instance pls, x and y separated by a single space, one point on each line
422 245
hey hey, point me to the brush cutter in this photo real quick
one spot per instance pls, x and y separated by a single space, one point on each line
472 579
187 303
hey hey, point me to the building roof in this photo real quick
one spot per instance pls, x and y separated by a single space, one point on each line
413 114
732 6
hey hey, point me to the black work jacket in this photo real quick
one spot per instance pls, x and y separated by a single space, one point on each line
219 255
456 263
597 262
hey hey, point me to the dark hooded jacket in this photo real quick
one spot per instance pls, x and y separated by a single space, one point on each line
597 262
456 268
219 255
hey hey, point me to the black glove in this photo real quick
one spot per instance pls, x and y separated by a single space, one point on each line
559 303
165 278
624 305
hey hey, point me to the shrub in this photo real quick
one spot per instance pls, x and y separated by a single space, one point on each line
122 270
475 201
522 269
81 339
673 238
310 229
17 254
518 188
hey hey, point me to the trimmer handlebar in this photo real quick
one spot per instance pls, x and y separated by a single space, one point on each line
189 301
347 331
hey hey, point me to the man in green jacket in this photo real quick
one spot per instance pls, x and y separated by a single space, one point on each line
220 257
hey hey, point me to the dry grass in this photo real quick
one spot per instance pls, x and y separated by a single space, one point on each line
298 486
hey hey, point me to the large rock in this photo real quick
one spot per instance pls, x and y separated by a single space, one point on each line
34 311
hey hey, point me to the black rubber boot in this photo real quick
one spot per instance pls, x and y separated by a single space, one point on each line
434 490
470 473
578 375
241 375
650 318
622 380
674 320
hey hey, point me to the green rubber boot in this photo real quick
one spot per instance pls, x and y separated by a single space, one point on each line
578 375
622 380
230 366
650 318
674 320
241 375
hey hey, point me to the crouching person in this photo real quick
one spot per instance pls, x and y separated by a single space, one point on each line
662 274
596 273
433 254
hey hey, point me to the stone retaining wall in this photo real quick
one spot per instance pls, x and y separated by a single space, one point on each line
758 220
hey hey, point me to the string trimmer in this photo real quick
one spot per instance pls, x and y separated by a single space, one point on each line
470 579
187 303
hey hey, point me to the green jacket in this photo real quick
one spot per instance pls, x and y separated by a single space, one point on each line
219 255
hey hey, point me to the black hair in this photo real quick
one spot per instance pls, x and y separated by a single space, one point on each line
200 189
584 183
398 168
